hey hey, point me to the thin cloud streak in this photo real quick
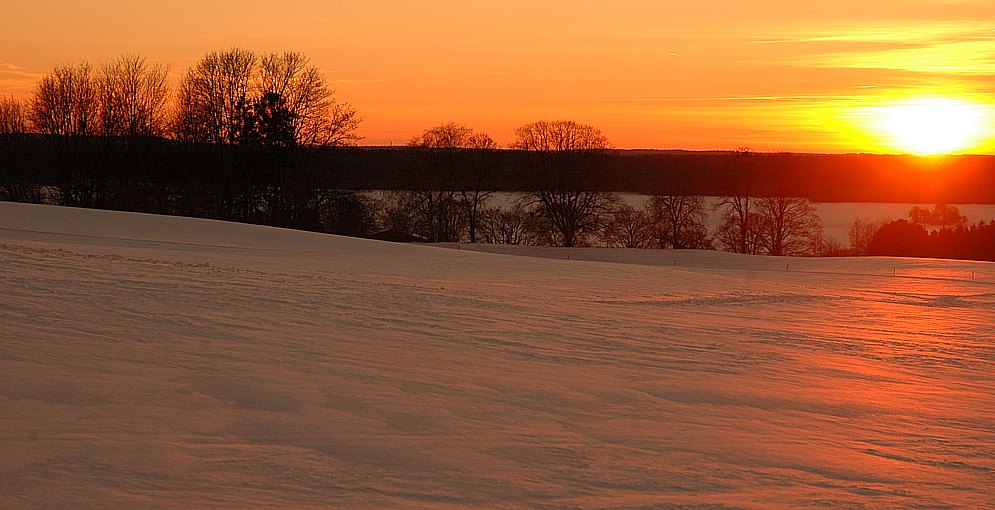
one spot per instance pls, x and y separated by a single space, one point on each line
962 48
8 70
951 58
17 80
785 99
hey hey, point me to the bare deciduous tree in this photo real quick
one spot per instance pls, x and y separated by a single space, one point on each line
472 177
213 97
627 227
451 135
13 118
567 161
212 102
133 98
738 231
65 103
790 226
860 234
271 104
679 221
457 155
13 125
395 215
65 106
435 215
831 246
317 119
518 225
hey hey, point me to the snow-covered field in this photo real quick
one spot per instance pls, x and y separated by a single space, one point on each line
153 362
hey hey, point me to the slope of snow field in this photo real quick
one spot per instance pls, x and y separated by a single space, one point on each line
156 362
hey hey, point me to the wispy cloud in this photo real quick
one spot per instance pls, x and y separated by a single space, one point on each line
944 48
733 99
11 71
345 81
17 80
953 57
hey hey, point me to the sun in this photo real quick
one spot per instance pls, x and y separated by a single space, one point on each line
930 125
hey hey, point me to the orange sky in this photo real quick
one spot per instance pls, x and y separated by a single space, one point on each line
702 74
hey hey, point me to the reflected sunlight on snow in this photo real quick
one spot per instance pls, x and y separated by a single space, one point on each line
163 362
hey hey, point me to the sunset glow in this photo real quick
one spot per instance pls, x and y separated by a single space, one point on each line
714 74
440 254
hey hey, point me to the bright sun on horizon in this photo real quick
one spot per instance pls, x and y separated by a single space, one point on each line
929 126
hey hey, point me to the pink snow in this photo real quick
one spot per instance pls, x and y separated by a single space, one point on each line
160 362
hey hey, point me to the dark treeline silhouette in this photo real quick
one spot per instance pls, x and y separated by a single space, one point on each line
818 177
239 142
261 139
904 238
326 189
899 179
425 193
936 232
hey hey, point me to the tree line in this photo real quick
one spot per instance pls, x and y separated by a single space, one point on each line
261 138
937 232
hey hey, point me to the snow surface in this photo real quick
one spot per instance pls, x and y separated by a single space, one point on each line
156 362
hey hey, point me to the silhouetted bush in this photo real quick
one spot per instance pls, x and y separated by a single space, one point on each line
900 238
903 238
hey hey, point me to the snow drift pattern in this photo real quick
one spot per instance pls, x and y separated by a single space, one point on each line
154 362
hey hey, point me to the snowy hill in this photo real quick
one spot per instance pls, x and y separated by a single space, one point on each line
156 362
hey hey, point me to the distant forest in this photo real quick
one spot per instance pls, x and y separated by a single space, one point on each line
261 139
962 179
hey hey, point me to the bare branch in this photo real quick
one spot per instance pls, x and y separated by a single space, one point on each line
133 97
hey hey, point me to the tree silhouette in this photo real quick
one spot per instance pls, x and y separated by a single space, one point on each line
775 224
14 184
627 227
316 119
269 122
133 98
860 234
456 161
212 102
214 97
789 226
293 108
65 106
938 215
275 101
13 118
739 230
567 161
134 115
678 221
900 238
65 103
518 225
